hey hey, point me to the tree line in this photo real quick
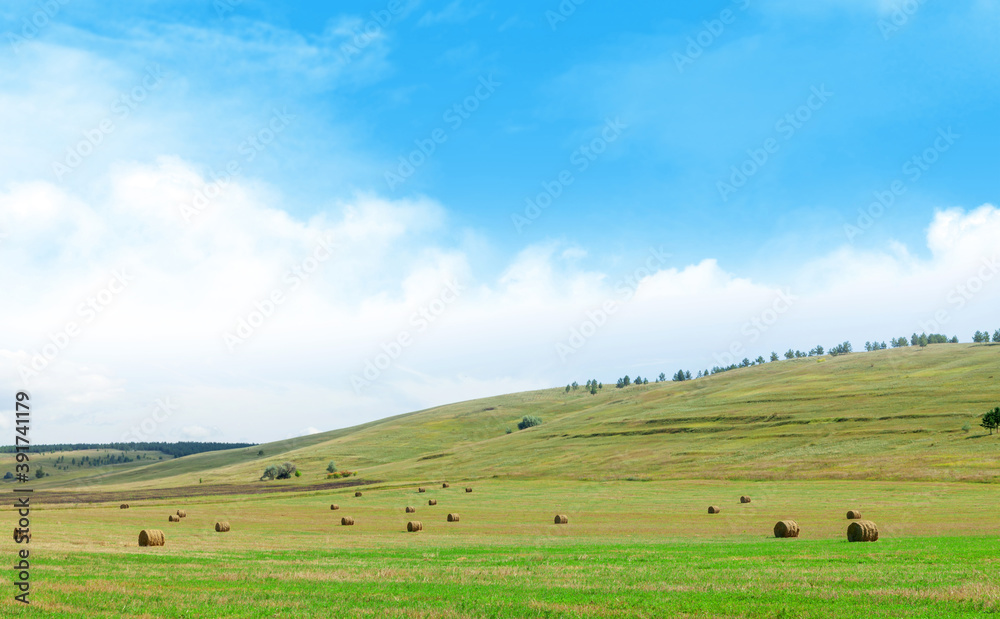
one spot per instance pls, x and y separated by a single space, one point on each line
176 450
843 348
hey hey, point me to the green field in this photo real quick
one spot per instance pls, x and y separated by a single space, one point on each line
634 470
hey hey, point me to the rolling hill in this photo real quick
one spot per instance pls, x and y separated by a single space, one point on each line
901 414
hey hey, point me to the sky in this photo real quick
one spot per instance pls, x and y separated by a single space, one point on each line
237 220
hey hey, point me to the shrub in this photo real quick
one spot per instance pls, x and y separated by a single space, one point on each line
331 468
270 472
298 473
509 431
528 421
285 471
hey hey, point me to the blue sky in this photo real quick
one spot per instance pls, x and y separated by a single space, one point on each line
834 99
558 85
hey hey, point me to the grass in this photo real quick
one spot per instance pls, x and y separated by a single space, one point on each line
634 469
890 415
630 550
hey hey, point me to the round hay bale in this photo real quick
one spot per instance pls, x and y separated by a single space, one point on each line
413 526
411 510
561 519
346 521
334 507
453 518
358 493
446 485
432 502
786 528
854 514
173 518
862 531
744 499
468 489
22 534
123 506
181 513
421 489
712 509
152 537
221 527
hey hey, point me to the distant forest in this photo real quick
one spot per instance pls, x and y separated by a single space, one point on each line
176 450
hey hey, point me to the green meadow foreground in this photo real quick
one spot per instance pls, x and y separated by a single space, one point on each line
639 549
892 433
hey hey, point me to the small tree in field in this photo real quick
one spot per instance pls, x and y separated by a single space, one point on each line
528 421
331 468
270 472
991 420
285 471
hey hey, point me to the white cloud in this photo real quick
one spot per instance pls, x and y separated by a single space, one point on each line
456 11
162 334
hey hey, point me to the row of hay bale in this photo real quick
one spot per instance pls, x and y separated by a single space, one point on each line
857 531
860 531
155 537
420 489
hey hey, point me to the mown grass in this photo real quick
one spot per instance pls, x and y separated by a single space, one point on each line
631 549
915 577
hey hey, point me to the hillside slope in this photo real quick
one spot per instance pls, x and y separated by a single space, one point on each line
889 415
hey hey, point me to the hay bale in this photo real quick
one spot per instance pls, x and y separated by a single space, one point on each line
854 514
411 510
358 493
221 527
862 531
421 489
712 509
22 534
468 489
561 519
413 526
786 528
152 537
173 518
346 521
446 485
334 507
453 518
123 506
744 499
181 513
432 502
